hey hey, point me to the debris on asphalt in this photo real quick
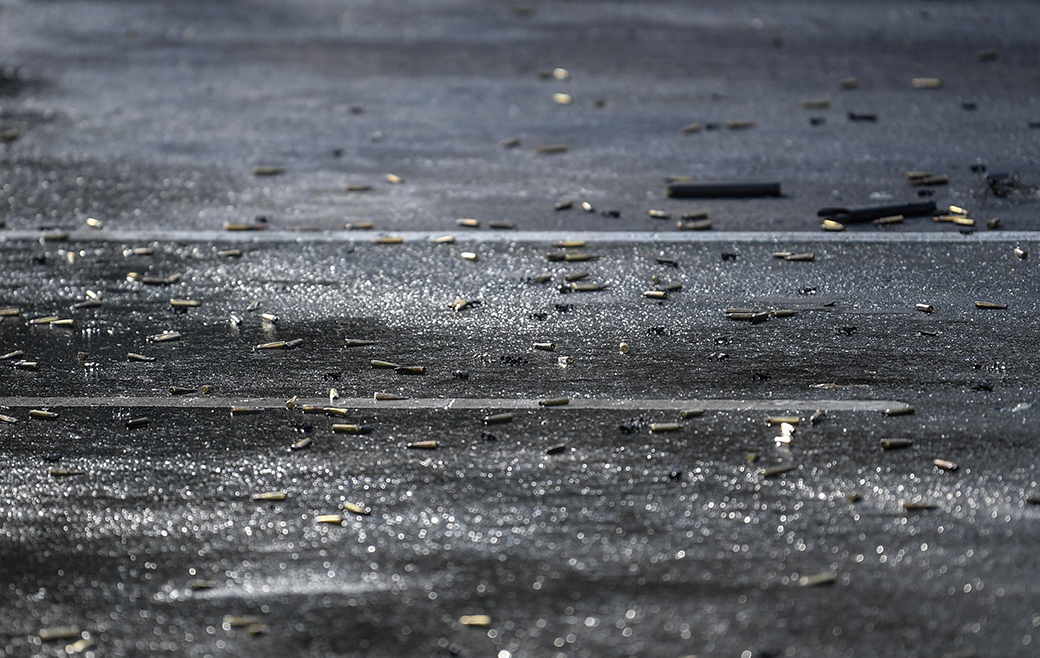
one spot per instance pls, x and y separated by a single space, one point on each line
722 190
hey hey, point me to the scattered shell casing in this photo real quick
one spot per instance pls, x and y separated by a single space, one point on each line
924 308
562 99
230 253
781 254
899 411
26 365
501 224
512 142
274 345
335 519
388 396
394 179
423 445
63 323
546 347
912 505
624 347
774 471
376 363
665 427
79 646
333 395
563 205
234 320
7 419
831 225
44 320
336 411
780 420
848 83
357 342
579 257
205 389
564 361
926 83
928 181
475 620
817 416
469 223
549 149
295 342
576 276
270 496
269 317
799 257
699 225
826 578
892 219
41 413
554 402
695 214
291 402
963 221
137 422
815 104
180 390
231 621
740 125
495 419
671 287
945 465
1021 253
957 210
12 355
199 584
469 255
351 429
9 312
62 472
89 303
389 239
264 170
301 444
189 303
461 304
357 509
314 409
782 313
561 74
59 633
130 356
691 413
690 128
543 278
556 449
243 411
993 224
739 315
655 294
895 444
54 236
660 214
239 226
165 337
990 305
359 226
358 187
587 287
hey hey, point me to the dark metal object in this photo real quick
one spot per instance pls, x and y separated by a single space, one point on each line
857 215
723 190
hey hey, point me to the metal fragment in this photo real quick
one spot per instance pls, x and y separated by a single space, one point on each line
945 465
134 423
273 345
831 225
655 294
891 219
244 411
301 444
376 363
546 347
461 304
130 356
389 239
543 278
291 402
800 257
269 317
230 253
1021 253
496 419
826 578
334 519
79 646
895 444
359 226
26 365
782 313
660 214
916 505
780 420
336 411
333 395
180 390
42 414
444 239
7 419
9 312
990 305
12 355
469 255
410 370
351 428
475 620
469 223
624 347
357 342
394 179
924 308
270 496
587 287
423 445
68 322
388 396
44 320
899 411
357 509
817 417
691 413
188 303
576 276
501 224
554 402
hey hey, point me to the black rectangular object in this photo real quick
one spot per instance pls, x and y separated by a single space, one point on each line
722 190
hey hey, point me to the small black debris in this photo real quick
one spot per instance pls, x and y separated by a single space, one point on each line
978 168
564 308
50 459
460 374
513 360
676 474
970 105
614 214
983 387
967 231
666 260
723 190
488 436
759 376
538 315
817 121
336 153
856 116
925 193
334 375
847 330
711 126
304 428
1034 124
728 256
807 291
656 331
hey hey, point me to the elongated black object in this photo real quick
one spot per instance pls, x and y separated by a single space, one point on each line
722 190
847 216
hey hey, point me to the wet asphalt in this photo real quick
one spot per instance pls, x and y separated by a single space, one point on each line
657 512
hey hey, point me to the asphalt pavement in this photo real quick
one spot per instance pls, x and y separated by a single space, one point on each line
310 347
